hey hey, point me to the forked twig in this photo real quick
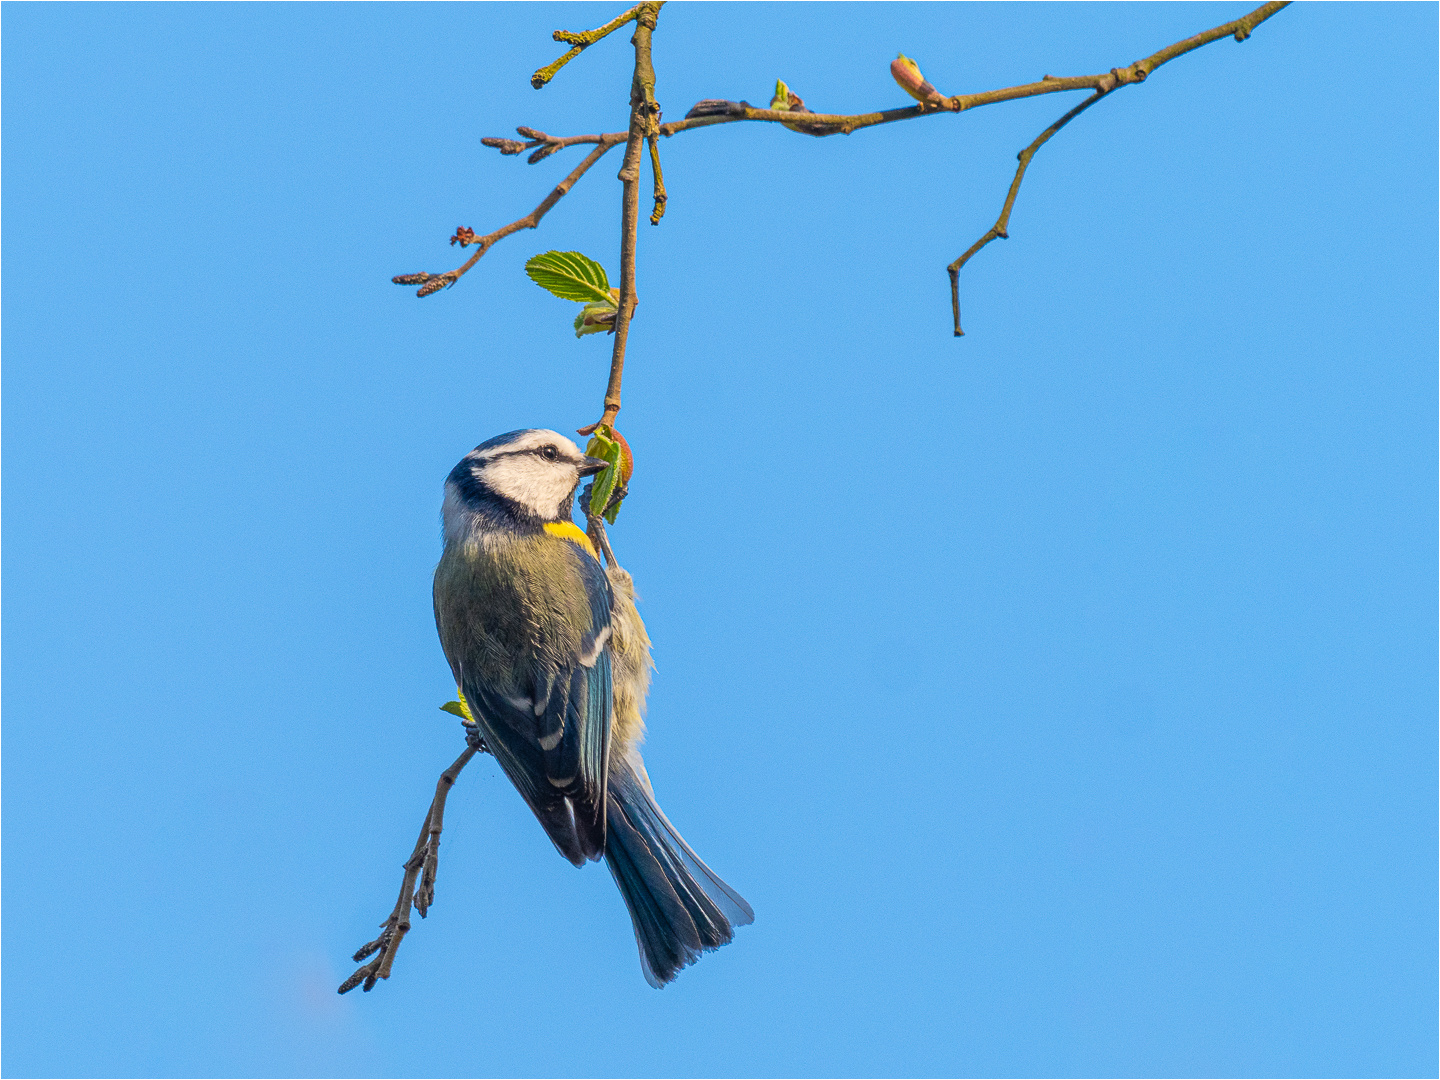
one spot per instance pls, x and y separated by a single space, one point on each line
422 864
998 230
430 283
1138 72
709 113
581 41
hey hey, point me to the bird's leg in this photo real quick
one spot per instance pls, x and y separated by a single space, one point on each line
595 529
421 864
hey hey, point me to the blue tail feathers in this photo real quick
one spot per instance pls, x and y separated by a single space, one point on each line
679 906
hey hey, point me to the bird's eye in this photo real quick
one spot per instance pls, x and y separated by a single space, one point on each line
549 453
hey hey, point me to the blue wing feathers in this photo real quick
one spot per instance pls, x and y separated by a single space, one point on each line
548 720
558 758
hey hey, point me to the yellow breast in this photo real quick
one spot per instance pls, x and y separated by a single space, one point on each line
570 531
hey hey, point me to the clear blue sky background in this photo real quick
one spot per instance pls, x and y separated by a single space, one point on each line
1063 697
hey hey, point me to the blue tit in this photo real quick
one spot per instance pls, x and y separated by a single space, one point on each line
554 663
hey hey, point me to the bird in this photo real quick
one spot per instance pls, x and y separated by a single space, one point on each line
553 662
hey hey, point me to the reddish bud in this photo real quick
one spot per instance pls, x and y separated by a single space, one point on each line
907 73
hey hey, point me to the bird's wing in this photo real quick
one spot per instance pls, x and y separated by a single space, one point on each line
553 743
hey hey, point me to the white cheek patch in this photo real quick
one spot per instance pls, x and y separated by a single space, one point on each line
538 485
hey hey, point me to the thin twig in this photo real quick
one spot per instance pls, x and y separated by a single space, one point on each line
1137 72
998 229
431 283
548 144
644 122
581 41
817 124
660 196
844 124
421 864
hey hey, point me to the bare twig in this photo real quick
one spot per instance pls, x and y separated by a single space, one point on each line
644 123
998 229
422 864
844 124
660 196
548 144
709 113
1139 71
431 283
581 41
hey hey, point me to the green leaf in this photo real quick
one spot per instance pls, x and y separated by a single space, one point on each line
570 276
614 512
602 446
459 708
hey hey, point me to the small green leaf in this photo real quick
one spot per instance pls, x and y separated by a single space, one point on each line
459 708
602 446
614 512
570 276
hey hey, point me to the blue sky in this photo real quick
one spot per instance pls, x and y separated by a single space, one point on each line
1062 698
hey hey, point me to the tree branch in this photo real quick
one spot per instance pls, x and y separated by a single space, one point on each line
581 41
422 864
644 126
644 123
998 229
548 143
1137 72
432 283
844 124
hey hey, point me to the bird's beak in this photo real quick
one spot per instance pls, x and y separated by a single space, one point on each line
589 466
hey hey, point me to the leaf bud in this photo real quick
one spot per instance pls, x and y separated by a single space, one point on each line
907 73
505 146
595 319
786 100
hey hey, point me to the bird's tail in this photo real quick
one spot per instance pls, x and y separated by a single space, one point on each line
679 906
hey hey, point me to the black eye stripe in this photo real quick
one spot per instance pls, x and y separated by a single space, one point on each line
548 453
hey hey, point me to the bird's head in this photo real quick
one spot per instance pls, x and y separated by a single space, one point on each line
533 472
